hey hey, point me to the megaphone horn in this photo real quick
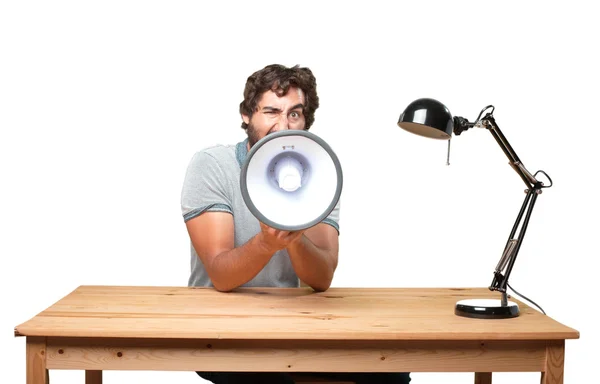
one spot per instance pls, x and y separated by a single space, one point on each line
291 180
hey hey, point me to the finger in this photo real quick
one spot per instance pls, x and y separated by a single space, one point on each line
292 236
265 228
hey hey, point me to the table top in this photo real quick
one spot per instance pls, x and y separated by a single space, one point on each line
283 314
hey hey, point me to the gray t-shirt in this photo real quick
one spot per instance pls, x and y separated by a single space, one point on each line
212 184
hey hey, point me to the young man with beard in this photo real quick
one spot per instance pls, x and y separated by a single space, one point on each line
230 247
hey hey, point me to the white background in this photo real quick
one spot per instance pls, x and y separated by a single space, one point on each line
102 105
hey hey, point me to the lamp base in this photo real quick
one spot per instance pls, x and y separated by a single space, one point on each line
486 309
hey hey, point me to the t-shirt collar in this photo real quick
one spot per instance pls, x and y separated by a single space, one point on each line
241 151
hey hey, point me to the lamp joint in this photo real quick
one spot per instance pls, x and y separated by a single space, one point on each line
461 124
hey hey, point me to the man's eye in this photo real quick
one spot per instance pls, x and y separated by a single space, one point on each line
295 115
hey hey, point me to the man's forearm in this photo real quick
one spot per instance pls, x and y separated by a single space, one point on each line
236 267
313 265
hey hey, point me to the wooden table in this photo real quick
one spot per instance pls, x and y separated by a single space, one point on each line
96 328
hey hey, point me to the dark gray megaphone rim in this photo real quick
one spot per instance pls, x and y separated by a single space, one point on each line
244 186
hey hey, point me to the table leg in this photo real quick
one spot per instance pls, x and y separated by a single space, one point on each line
555 363
36 360
483 377
93 377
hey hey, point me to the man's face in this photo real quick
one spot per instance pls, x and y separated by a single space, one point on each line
276 113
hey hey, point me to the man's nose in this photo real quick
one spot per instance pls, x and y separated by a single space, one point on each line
282 124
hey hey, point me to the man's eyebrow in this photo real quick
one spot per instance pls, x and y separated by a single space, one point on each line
271 109
274 109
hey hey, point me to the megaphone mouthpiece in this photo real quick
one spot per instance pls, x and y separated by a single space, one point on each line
289 173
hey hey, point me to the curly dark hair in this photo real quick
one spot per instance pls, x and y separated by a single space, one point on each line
278 78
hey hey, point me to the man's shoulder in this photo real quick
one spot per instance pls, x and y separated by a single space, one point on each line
217 153
217 150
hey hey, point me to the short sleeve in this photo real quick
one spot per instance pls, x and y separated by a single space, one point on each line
204 188
334 217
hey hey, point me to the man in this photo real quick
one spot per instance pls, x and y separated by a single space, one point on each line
230 247
275 98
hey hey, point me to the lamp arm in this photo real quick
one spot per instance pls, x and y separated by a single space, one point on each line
513 244
490 123
534 188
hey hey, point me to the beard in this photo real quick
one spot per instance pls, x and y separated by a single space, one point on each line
252 135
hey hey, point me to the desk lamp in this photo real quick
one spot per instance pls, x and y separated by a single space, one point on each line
430 118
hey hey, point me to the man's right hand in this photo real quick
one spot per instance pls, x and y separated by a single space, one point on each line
273 240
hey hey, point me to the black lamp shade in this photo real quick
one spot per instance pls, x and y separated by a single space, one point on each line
427 117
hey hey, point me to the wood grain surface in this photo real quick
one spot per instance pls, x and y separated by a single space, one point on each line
282 313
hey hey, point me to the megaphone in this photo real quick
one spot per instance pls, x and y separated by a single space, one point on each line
291 180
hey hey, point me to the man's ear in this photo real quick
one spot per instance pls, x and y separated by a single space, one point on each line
246 118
